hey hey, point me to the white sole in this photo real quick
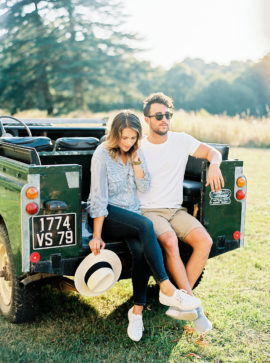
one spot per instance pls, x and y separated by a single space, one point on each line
183 315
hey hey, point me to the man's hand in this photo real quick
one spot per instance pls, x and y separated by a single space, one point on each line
96 244
215 178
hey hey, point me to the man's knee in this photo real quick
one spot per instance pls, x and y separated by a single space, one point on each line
209 243
200 240
169 241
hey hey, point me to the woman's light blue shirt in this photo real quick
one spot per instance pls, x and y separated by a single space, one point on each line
113 182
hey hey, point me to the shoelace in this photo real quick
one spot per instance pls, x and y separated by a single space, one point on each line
179 295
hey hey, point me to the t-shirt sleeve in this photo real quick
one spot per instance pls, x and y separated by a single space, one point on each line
192 144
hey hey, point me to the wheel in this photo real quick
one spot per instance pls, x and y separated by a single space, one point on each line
3 131
18 304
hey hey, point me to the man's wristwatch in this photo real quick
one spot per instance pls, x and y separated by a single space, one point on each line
137 162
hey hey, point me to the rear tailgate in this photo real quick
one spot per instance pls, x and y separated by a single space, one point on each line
52 236
223 214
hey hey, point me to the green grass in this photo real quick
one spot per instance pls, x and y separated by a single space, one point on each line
235 291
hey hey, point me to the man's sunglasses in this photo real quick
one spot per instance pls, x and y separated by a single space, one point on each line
159 115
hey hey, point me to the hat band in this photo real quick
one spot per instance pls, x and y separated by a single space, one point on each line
94 268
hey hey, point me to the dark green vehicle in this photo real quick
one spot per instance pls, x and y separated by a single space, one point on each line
44 185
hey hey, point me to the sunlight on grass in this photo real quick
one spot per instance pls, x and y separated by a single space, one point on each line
232 130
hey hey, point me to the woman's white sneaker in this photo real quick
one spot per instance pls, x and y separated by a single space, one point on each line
135 326
180 299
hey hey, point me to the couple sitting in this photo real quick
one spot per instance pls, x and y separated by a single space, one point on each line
137 193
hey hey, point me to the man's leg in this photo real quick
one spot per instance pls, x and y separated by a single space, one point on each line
169 242
201 243
192 232
173 262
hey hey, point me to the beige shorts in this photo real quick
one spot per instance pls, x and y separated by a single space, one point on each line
177 220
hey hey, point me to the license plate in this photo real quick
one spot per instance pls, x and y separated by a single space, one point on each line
56 230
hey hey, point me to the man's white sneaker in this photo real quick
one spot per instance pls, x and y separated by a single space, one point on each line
135 326
202 324
182 314
180 299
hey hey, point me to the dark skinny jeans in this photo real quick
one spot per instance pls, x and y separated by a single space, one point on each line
146 253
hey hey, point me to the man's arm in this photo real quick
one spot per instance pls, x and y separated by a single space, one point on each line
214 178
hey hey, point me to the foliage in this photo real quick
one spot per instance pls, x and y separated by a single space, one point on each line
68 55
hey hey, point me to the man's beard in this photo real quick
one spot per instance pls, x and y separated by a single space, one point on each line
161 133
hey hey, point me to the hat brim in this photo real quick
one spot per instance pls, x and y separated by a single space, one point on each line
90 260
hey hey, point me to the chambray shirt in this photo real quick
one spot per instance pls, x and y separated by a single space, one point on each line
113 182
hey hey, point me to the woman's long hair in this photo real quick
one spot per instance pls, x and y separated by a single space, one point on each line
121 121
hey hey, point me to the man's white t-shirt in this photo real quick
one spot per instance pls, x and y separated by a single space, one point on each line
166 163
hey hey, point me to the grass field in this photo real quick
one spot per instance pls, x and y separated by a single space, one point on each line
233 130
235 291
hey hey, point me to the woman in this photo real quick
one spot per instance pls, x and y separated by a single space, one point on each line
118 170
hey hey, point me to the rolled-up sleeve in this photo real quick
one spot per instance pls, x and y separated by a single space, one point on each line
98 198
143 184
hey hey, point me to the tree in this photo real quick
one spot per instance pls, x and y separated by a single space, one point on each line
25 66
179 83
55 52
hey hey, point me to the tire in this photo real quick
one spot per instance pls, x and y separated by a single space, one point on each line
18 304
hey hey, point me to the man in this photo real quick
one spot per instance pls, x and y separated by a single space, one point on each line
166 155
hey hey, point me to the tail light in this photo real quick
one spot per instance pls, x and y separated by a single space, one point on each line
34 257
31 208
31 193
240 194
240 185
241 182
236 235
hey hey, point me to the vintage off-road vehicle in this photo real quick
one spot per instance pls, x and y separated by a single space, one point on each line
44 185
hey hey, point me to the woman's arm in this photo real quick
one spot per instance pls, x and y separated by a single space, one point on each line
96 243
137 165
142 176
98 198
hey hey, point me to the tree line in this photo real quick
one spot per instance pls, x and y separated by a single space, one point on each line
67 55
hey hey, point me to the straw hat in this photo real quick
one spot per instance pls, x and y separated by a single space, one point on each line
97 274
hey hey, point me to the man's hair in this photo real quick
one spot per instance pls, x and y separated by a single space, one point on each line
156 98
121 121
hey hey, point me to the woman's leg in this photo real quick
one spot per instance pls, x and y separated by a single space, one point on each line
123 224
140 274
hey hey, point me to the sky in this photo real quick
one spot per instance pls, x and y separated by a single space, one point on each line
213 30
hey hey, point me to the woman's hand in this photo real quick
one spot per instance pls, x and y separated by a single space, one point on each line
134 156
96 244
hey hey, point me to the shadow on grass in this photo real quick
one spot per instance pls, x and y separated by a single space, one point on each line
72 328
66 317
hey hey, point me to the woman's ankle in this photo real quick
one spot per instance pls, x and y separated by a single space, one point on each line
167 288
137 309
